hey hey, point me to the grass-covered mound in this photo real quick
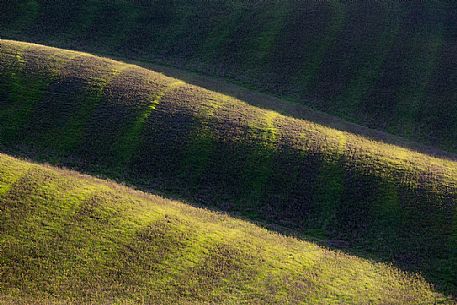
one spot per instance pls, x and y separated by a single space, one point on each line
67 238
385 64
135 125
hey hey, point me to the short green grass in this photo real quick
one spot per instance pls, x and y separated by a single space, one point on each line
129 141
68 238
375 64
306 73
152 131
258 167
348 103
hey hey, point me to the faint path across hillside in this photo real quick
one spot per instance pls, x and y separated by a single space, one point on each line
267 101
286 107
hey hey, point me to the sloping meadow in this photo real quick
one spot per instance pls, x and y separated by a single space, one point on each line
158 133
72 239
388 65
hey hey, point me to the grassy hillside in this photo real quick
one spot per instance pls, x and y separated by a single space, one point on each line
385 64
135 125
67 238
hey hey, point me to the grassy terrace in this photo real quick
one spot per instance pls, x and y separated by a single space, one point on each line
65 237
388 65
134 125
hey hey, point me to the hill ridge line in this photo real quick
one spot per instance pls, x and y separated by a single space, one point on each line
226 154
125 246
384 65
282 106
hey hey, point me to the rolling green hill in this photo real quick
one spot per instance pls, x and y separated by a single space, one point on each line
67 238
131 124
389 65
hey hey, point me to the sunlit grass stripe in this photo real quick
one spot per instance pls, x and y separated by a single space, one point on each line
194 252
411 96
349 277
276 264
53 197
130 141
201 144
105 239
99 246
387 210
13 61
423 64
261 46
10 173
182 265
228 274
258 166
308 72
69 136
370 70
184 250
197 155
23 94
330 182
59 207
57 63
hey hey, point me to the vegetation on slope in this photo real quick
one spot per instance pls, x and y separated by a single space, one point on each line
389 65
67 238
132 124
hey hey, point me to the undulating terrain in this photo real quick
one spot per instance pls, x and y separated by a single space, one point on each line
315 164
137 126
389 65
67 238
